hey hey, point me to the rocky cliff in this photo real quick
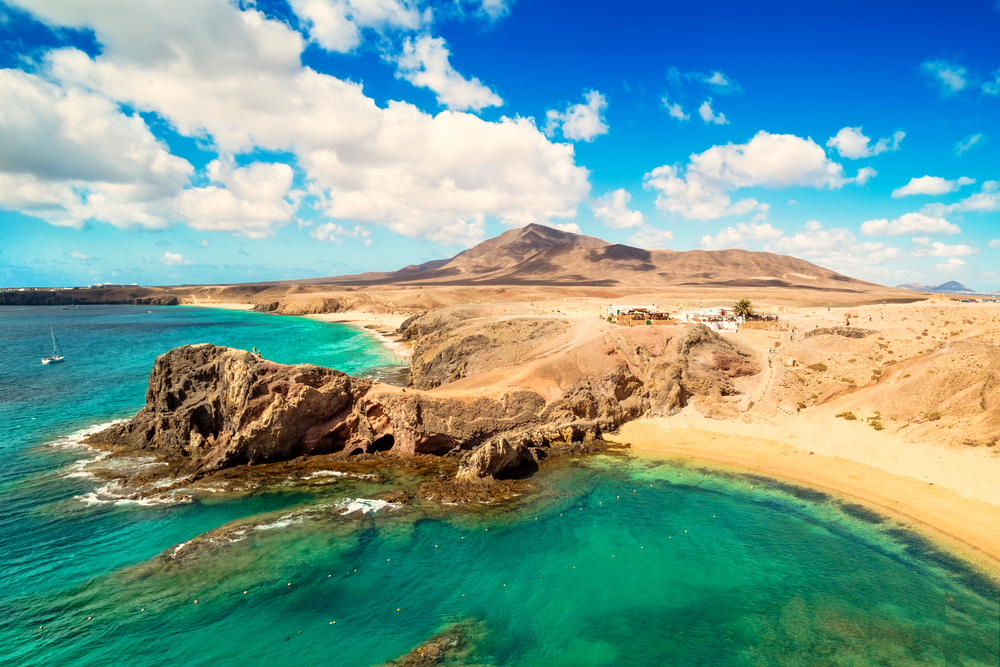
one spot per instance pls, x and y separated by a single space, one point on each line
210 407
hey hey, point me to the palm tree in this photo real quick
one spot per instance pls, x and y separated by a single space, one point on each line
742 308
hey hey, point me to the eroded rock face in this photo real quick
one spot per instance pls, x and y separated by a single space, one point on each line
210 408
219 407
448 348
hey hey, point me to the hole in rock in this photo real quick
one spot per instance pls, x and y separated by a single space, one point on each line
384 443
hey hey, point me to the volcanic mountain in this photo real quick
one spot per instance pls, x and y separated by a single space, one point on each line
950 287
542 256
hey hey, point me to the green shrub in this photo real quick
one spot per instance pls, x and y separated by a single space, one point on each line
819 368
848 416
933 416
877 425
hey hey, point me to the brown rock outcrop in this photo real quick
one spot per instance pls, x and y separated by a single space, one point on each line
209 408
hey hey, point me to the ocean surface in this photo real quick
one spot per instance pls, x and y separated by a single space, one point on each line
613 560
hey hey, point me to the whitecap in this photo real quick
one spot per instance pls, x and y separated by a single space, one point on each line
366 505
76 439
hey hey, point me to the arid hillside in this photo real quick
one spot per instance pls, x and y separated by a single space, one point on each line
537 255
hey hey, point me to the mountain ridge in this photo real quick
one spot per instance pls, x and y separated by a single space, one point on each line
540 255
950 287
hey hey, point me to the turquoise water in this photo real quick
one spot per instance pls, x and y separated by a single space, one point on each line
613 561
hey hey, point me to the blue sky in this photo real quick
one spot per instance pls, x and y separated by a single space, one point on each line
205 141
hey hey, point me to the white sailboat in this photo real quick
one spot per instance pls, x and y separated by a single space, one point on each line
57 355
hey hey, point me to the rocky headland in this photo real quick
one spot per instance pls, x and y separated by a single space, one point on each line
211 409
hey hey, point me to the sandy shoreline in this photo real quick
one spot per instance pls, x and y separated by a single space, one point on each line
382 325
966 525
223 305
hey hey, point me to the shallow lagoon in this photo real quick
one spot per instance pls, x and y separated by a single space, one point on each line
594 568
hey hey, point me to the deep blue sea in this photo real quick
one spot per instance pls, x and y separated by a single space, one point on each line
615 560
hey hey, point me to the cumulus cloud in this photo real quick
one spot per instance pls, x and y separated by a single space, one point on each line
70 155
995 243
865 174
580 122
909 223
950 265
336 25
925 247
78 255
931 185
424 63
174 259
707 115
651 238
834 247
674 110
987 200
740 235
612 209
336 233
241 86
701 190
251 201
949 78
852 144
968 144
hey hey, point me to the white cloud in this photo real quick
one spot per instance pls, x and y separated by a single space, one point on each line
950 265
740 235
674 110
495 9
77 255
204 243
968 143
992 87
612 209
235 79
336 24
852 144
580 122
651 238
924 247
995 243
705 111
570 227
987 200
722 84
909 223
949 78
336 233
174 259
931 185
834 247
424 63
865 174
69 156
768 160
251 202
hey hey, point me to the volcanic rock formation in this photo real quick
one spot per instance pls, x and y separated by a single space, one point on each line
213 407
